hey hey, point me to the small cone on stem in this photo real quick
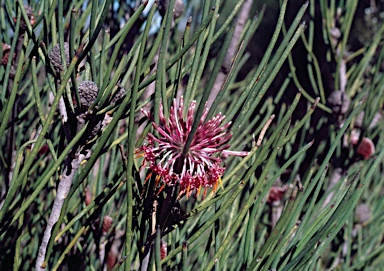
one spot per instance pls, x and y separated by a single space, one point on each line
55 57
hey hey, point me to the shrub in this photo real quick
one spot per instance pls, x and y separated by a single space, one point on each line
115 155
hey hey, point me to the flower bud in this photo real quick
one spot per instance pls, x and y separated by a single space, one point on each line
339 102
366 148
31 17
375 121
363 213
359 120
163 249
178 9
88 196
6 53
107 223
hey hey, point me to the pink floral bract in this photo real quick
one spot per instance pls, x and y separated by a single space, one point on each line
201 167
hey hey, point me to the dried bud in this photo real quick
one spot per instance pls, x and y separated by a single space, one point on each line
55 57
354 137
376 119
335 33
339 102
6 53
30 14
178 9
339 12
366 148
107 223
359 120
88 93
31 17
363 213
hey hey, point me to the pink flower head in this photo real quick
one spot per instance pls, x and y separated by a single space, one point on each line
201 166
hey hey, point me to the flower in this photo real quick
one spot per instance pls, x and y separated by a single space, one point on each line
201 167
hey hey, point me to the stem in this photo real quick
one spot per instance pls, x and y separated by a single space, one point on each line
72 164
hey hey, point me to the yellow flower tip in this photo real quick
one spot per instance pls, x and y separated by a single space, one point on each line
205 192
139 154
161 189
221 183
198 190
83 162
158 180
147 178
188 190
215 185
180 195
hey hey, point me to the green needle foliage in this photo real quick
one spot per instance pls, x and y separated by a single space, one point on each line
290 178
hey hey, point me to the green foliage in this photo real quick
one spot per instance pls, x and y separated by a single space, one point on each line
306 197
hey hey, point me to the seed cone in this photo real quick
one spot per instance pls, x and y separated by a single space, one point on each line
55 57
120 94
88 92
96 129
31 17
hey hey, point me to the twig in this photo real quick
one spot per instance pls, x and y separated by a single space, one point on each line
71 166
145 262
